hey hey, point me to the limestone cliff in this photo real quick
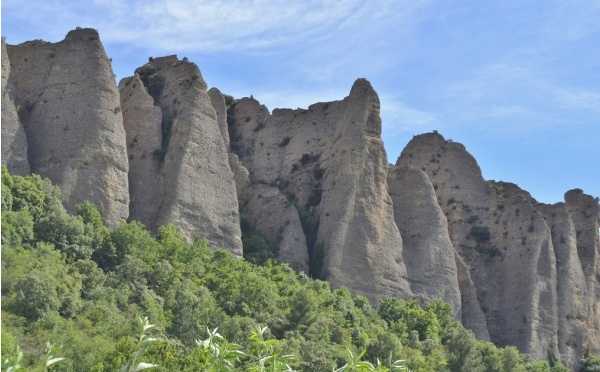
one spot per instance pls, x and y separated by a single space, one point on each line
182 175
330 163
585 213
427 249
14 141
69 106
520 255
315 182
264 208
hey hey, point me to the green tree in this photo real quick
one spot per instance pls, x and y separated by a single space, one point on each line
462 352
591 364
511 359
34 297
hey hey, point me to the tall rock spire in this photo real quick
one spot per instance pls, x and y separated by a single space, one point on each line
69 107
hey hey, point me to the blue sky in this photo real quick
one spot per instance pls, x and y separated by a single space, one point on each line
517 82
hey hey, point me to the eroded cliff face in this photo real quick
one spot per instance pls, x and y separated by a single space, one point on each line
316 183
69 107
585 212
14 141
182 174
427 250
264 208
330 163
520 254
142 121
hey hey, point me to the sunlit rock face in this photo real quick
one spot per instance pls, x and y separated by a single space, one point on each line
526 260
69 107
329 161
180 168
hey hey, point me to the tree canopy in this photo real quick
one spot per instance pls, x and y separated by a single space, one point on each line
71 280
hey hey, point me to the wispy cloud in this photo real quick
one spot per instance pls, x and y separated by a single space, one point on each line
213 25
572 20
522 98
399 117
576 98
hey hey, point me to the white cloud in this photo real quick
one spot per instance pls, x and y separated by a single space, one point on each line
510 110
399 117
212 25
576 99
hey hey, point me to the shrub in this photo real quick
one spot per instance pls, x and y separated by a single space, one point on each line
159 154
304 159
315 198
591 364
35 297
481 234
285 141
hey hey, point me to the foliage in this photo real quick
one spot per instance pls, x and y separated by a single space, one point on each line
135 363
285 141
591 364
76 282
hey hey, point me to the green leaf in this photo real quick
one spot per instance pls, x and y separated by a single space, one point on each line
53 360
151 340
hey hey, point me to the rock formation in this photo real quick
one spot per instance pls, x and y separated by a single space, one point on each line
585 212
182 173
14 141
218 102
573 300
267 210
330 163
142 121
427 249
520 254
315 183
69 106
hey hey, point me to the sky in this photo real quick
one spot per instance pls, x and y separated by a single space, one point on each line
517 82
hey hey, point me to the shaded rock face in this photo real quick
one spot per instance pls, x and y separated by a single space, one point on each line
14 141
69 107
218 102
182 172
427 250
142 121
519 255
267 210
585 213
573 303
330 163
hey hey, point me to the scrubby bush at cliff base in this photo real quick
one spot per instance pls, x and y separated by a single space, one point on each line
74 282
591 364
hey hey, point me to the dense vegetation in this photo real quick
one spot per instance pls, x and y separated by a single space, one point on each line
74 282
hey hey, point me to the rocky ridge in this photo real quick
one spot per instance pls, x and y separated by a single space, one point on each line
315 183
